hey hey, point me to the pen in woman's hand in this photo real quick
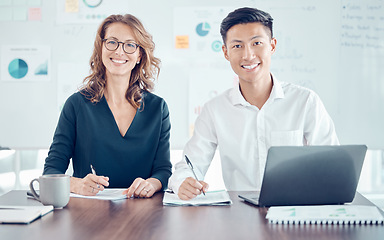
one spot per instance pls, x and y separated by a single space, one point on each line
94 172
191 167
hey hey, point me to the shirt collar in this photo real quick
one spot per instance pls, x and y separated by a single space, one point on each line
277 89
237 98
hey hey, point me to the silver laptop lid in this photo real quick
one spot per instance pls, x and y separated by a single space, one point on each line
306 175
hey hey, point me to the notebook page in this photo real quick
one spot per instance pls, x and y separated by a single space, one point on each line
220 197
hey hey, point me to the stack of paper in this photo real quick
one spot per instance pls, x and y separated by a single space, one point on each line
106 194
325 214
212 198
22 214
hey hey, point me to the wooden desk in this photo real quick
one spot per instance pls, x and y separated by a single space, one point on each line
146 219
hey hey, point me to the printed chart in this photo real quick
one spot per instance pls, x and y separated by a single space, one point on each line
197 36
25 63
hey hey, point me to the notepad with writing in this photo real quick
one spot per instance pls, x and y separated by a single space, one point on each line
22 214
325 214
211 198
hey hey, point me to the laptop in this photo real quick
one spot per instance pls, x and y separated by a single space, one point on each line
309 175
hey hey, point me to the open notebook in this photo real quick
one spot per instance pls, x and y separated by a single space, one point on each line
216 198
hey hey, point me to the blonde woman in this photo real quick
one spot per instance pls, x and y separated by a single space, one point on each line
115 130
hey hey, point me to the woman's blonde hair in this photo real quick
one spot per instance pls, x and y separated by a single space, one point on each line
142 75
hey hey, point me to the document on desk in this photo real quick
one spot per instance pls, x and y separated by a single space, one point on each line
106 194
211 198
22 214
325 214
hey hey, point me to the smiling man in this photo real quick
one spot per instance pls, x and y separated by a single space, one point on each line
260 112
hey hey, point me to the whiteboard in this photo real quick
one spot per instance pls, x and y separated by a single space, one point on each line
334 47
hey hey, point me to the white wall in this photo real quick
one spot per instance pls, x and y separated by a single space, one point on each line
333 47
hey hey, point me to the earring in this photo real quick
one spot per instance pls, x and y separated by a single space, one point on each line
138 62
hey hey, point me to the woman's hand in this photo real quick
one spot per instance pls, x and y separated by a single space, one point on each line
144 188
90 185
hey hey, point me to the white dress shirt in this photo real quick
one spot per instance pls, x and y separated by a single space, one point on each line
292 115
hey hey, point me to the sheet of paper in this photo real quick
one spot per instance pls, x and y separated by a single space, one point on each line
107 194
325 214
220 197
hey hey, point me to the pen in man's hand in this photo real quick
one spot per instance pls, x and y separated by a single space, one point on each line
191 167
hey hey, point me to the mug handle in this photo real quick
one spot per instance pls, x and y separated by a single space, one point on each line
35 195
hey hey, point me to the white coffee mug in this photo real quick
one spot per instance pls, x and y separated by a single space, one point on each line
54 190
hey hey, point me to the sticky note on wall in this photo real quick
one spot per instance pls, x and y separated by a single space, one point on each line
34 14
71 6
182 41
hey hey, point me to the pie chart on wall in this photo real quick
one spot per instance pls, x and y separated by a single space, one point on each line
18 68
202 29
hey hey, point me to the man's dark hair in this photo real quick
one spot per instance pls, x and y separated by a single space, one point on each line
243 16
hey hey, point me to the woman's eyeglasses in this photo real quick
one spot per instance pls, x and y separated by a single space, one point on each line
112 44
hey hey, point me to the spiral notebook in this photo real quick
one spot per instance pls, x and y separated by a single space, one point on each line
325 214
